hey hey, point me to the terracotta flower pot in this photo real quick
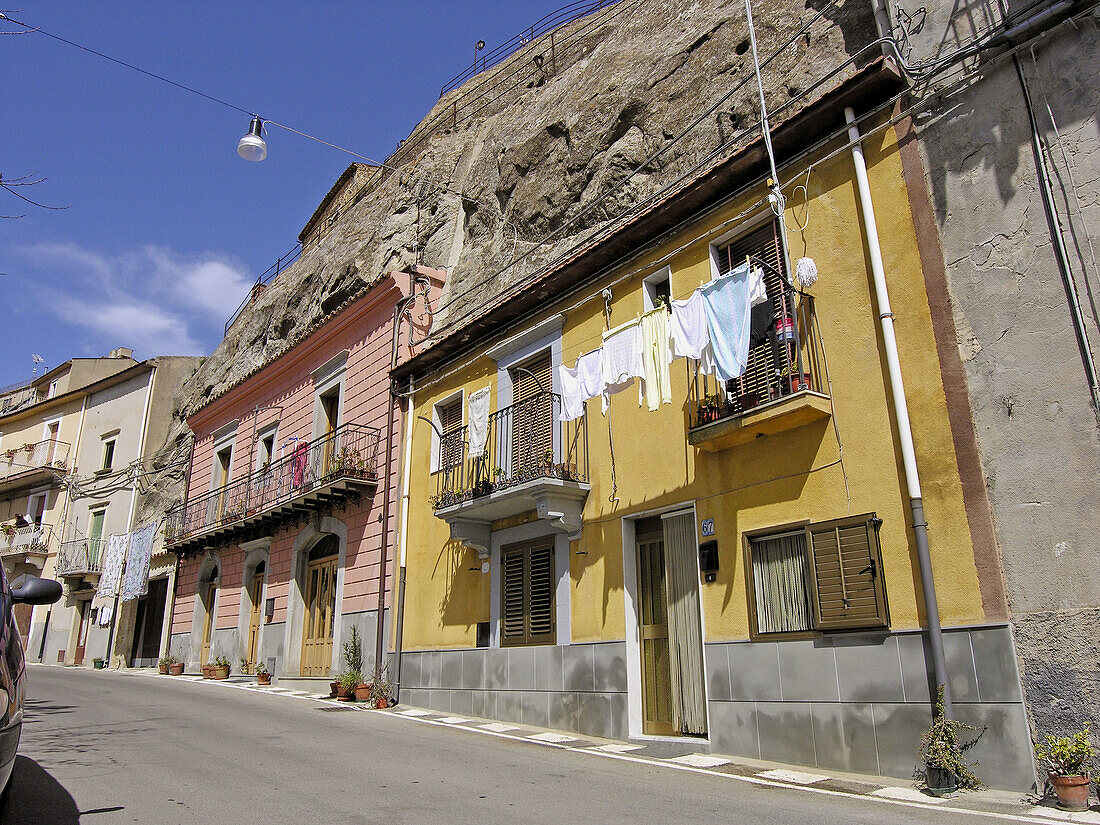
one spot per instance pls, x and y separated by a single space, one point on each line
381 704
163 669
335 687
1072 791
263 678
221 672
362 692
176 669
344 693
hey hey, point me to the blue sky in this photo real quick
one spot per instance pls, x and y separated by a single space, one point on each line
166 227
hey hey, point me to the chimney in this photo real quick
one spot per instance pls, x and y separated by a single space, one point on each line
121 352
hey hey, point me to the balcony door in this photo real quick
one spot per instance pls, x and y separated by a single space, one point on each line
330 420
320 612
95 537
255 591
532 419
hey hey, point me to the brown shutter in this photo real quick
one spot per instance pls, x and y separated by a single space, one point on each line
532 413
847 574
541 590
450 424
512 624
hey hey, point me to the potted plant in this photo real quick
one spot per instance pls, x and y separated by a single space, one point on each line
1068 760
263 675
243 666
221 668
175 669
8 530
98 663
346 684
165 663
941 749
378 693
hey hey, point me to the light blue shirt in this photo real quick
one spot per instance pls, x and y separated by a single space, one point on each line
728 309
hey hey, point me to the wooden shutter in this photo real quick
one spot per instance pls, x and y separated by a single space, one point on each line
450 424
532 413
849 593
527 594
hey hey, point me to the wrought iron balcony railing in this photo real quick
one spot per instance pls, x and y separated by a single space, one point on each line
33 538
788 360
15 461
79 557
524 442
350 452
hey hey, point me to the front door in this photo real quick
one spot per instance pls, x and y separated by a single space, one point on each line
209 599
653 629
83 611
320 615
670 629
330 410
256 592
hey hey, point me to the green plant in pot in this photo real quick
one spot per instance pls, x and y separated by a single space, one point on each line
1068 760
263 675
941 752
165 663
353 666
221 668
346 684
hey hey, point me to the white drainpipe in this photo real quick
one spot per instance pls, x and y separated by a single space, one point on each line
901 410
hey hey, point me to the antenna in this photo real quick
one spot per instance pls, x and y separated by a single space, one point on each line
36 360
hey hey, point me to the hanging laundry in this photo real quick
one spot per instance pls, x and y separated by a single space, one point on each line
135 582
110 567
105 613
726 300
762 324
478 424
298 461
579 383
620 359
758 291
655 358
690 332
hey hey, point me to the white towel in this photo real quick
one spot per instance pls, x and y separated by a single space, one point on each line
110 565
620 359
726 300
478 421
578 384
690 332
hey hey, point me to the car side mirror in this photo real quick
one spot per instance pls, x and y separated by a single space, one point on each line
36 591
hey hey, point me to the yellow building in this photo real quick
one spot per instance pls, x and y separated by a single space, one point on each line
740 566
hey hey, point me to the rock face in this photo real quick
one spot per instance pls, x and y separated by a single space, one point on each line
527 159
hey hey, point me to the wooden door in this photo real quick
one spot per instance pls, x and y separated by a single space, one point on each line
82 630
209 600
532 420
319 616
256 590
653 630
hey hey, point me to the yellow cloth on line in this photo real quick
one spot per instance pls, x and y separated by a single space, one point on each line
656 356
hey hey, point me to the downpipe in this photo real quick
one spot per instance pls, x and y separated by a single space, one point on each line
901 410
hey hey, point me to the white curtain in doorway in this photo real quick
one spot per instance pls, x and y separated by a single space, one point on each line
685 632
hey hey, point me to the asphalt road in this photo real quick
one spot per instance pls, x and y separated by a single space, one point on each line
101 748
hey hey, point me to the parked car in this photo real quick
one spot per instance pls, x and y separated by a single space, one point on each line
13 671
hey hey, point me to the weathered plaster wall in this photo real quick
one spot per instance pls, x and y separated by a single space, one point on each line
1035 424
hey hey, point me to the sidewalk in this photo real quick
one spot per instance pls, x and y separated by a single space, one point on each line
675 755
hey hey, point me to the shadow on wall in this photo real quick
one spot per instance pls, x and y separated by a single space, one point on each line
39 799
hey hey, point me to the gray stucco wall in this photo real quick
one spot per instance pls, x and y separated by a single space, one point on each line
1035 424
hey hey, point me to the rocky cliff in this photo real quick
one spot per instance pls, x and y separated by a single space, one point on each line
529 158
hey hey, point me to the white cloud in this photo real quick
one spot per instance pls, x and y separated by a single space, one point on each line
153 299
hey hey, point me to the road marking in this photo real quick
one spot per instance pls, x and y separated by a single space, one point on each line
497 727
454 720
797 777
1066 816
414 712
911 794
617 748
555 738
699 760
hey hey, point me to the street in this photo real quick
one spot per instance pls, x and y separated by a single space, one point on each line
100 747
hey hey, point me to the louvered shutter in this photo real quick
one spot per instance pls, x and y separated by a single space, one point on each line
532 413
847 574
541 594
450 424
513 625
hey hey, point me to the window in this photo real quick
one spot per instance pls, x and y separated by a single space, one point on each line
821 577
265 448
532 419
95 532
448 434
527 594
223 459
108 454
657 290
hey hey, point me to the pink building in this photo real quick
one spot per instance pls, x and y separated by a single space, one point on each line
281 539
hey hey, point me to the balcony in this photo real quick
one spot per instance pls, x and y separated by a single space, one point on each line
79 557
532 461
30 543
782 388
313 478
32 464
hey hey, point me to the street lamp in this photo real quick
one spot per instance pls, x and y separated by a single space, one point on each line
252 146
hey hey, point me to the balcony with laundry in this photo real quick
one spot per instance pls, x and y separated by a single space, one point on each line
28 543
79 558
531 460
32 464
316 477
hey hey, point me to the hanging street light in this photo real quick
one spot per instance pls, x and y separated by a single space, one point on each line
252 146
